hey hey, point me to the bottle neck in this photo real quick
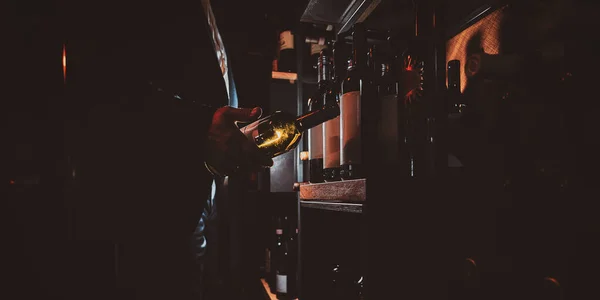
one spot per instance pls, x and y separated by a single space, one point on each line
317 116
359 47
324 65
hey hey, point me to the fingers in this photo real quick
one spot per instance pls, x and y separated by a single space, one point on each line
242 114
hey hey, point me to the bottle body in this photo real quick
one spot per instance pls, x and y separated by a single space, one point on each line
279 277
282 266
350 127
331 149
315 146
275 134
387 94
280 132
331 128
354 89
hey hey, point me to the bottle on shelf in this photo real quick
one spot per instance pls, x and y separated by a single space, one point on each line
315 143
287 52
280 132
411 113
353 89
311 73
387 94
316 137
275 253
268 250
331 128
282 267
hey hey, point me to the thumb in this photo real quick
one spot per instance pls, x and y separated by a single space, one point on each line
242 114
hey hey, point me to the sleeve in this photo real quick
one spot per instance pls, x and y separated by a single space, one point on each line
142 172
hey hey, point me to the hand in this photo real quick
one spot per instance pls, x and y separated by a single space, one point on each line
228 150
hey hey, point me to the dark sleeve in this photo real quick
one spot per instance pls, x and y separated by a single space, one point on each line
142 168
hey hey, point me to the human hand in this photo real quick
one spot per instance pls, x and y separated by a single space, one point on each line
228 150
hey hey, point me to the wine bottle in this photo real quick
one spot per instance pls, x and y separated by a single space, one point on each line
411 114
315 136
350 106
287 52
315 143
315 52
387 94
331 128
275 253
282 267
280 132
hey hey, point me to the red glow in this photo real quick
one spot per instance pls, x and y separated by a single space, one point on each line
64 63
553 281
470 260
12 181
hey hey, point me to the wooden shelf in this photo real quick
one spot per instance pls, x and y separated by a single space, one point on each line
267 290
348 191
333 206
284 75
268 293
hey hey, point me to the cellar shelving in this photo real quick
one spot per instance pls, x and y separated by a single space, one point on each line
333 206
344 196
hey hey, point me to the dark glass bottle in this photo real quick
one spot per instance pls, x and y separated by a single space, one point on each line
387 94
280 132
315 142
331 128
276 253
411 114
315 53
353 92
282 267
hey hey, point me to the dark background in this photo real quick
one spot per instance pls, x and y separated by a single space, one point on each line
39 256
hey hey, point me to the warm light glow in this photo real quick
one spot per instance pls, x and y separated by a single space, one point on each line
12 181
471 261
274 140
553 281
304 155
64 62
412 79
284 75
487 29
